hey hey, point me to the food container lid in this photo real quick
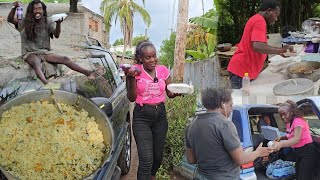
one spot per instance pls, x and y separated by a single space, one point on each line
293 87
181 88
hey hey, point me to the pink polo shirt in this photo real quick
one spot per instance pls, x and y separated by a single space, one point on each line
149 92
305 136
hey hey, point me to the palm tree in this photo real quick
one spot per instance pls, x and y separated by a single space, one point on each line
124 10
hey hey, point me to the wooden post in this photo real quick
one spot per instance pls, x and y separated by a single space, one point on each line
181 37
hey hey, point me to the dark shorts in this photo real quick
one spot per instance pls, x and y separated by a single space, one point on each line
236 81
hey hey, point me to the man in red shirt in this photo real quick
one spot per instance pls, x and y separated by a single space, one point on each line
253 48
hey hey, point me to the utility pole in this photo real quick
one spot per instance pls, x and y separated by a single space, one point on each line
181 36
146 33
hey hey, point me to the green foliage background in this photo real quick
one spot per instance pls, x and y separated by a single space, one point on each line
233 15
179 110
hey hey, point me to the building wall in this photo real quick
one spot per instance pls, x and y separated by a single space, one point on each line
120 48
93 26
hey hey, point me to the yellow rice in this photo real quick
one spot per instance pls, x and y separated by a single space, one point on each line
37 142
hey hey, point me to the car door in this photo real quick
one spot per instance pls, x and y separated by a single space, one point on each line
112 86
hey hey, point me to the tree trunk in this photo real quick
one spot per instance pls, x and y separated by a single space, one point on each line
181 37
73 6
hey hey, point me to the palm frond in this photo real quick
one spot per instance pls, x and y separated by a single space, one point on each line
143 13
104 4
108 13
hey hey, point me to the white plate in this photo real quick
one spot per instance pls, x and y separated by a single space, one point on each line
56 17
180 88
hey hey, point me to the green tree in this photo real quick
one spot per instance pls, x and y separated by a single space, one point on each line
167 51
201 38
118 42
233 15
138 39
124 11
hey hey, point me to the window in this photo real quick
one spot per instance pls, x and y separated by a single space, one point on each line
236 119
113 68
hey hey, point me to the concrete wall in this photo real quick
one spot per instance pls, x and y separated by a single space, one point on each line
93 25
204 74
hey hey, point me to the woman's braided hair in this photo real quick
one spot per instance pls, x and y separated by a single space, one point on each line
293 108
139 50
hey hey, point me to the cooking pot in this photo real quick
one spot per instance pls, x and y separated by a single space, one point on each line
224 47
306 69
79 102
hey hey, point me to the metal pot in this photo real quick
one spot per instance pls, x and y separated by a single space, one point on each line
224 47
306 69
79 103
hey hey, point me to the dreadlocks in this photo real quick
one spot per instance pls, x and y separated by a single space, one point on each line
30 22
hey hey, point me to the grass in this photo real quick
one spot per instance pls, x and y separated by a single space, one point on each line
45 1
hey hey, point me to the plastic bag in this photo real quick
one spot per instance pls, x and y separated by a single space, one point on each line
280 169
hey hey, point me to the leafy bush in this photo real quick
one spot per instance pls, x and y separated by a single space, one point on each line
179 110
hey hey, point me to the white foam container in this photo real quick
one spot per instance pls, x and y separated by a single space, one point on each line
56 17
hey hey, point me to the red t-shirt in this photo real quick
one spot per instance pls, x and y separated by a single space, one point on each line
245 59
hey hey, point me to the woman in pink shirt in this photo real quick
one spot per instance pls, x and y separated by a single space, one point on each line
299 138
149 90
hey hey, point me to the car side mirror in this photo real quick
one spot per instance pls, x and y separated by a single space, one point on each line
104 104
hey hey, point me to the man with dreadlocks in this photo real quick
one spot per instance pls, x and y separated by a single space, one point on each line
35 31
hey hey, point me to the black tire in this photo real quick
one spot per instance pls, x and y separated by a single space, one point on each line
124 160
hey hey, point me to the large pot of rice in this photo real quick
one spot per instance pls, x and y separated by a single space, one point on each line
38 142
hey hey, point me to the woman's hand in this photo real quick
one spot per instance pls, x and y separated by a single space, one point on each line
277 139
133 72
277 146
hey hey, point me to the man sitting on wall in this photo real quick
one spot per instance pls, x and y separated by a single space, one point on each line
35 31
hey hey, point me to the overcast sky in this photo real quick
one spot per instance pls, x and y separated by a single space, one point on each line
163 17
